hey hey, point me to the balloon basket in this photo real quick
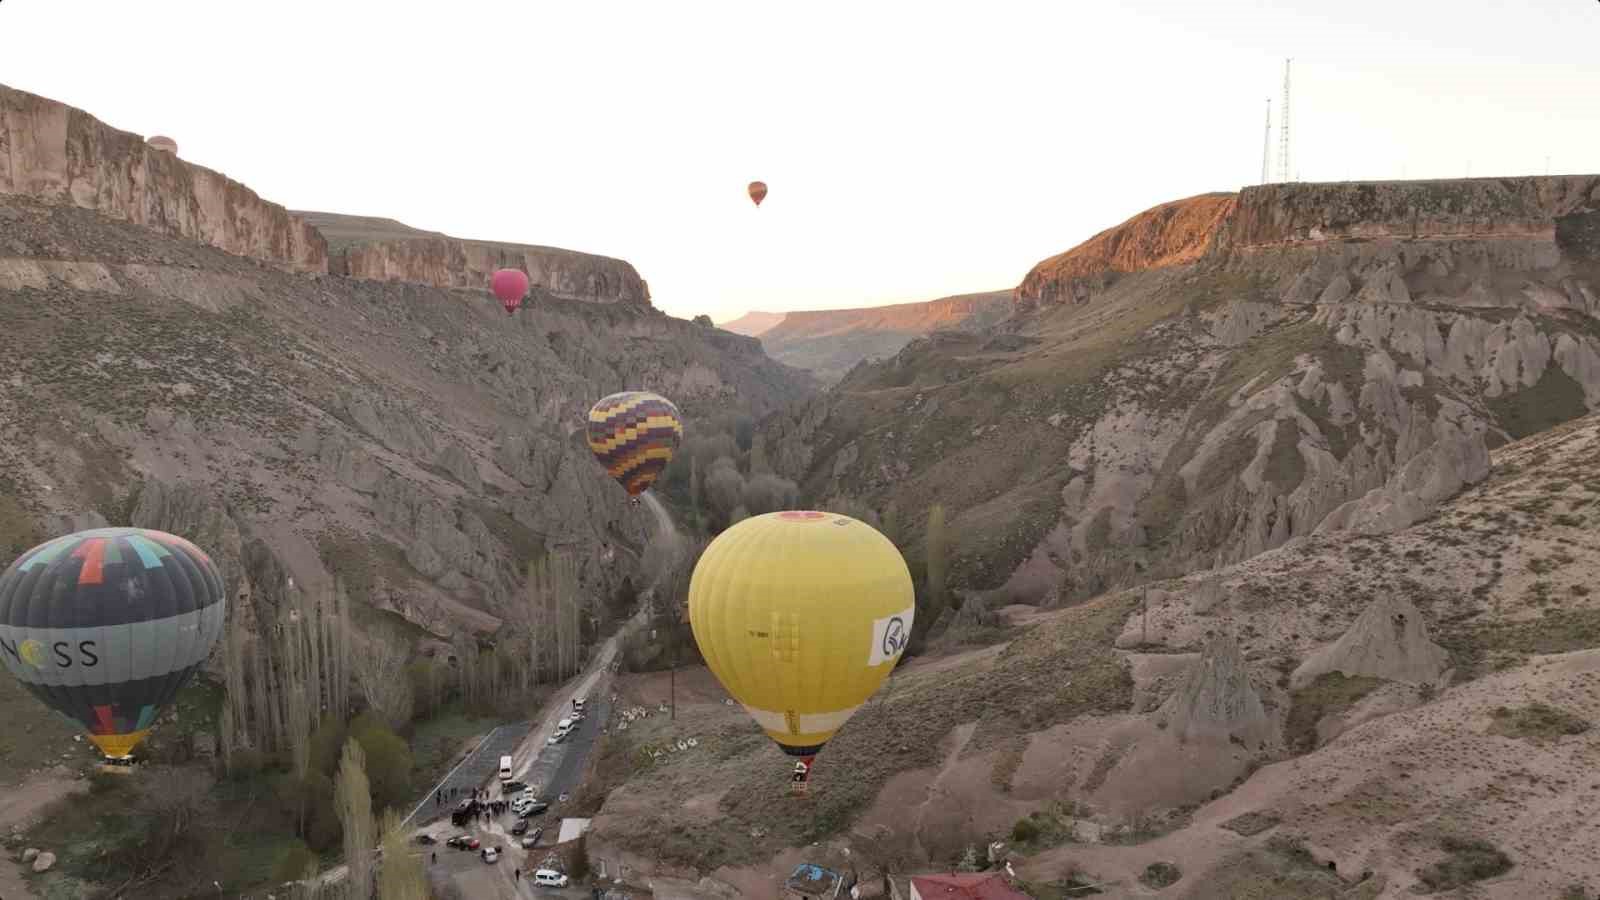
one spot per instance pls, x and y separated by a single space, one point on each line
122 766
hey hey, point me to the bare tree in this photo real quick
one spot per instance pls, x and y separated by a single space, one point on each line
379 664
536 617
353 797
336 637
234 726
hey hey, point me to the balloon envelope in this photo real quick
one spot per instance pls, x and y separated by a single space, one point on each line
758 191
509 285
105 626
634 434
801 615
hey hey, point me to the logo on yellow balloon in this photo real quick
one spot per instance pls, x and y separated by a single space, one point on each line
31 652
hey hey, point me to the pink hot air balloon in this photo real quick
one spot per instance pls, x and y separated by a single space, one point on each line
509 285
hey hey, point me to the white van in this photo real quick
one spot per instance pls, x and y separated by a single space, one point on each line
505 768
549 878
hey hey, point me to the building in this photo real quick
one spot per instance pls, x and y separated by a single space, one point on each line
964 886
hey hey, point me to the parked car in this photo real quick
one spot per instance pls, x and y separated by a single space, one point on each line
520 827
531 839
426 839
512 787
491 854
550 878
531 808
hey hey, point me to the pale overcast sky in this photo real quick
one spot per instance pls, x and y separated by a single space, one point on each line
913 149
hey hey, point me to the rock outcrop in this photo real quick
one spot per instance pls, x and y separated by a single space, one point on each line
1389 640
1216 701
57 154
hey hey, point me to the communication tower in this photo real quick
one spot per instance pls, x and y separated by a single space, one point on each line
1283 127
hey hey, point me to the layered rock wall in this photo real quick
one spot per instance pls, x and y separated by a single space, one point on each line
450 263
1276 214
52 152
1554 210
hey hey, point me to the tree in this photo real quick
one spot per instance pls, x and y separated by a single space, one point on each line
293 863
724 489
379 663
355 812
769 493
387 761
309 802
759 464
938 559
402 876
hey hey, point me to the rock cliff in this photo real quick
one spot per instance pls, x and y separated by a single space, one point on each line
52 152
384 250
1170 234
1318 358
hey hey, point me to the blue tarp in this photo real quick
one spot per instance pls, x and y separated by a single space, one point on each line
812 879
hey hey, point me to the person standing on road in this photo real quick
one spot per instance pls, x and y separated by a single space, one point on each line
519 874
435 858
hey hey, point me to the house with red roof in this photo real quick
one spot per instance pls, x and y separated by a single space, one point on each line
964 886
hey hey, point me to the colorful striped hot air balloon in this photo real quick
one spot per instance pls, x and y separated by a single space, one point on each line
105 626
758 191
801 615
634 434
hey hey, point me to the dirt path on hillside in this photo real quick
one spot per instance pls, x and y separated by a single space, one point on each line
21 804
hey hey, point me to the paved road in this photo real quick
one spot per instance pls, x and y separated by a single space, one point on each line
481 766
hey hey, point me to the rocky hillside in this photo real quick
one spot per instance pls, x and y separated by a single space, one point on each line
752 324
1220 375
830 342
179 356
1355 716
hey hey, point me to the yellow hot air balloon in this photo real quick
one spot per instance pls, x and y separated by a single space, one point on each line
801 615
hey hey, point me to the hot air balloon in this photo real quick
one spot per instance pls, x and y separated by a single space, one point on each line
633 434
162 142
509 285
758 191
801 615
106 625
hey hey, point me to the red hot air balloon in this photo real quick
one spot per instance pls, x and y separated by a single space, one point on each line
758 191
509 285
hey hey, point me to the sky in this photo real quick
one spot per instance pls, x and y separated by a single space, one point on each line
913 150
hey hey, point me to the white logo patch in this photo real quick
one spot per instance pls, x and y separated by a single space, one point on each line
890 635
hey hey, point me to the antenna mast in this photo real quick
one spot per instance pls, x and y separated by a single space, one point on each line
1283 128
1266 146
